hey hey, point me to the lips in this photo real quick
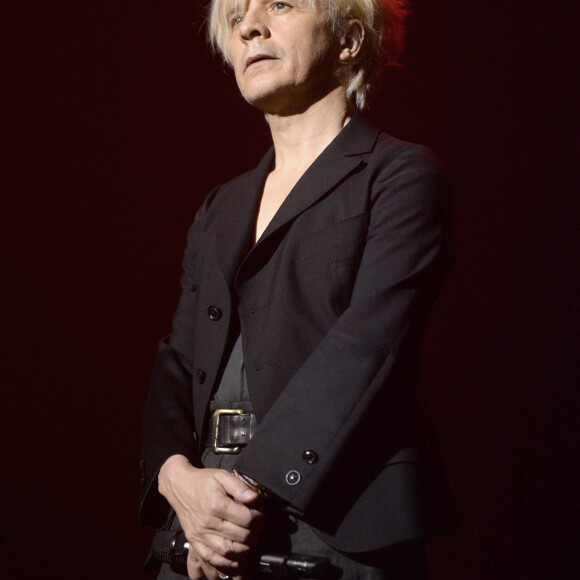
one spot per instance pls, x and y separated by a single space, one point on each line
258 58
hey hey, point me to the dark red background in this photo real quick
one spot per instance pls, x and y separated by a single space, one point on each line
116 122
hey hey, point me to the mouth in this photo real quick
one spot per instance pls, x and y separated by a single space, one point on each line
257 58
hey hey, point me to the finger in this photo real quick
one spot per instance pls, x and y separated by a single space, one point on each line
235 533
233 551
225 575
236 487
223 507
210 572
194 567
216 559
203 524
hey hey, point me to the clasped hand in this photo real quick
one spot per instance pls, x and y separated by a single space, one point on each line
217 513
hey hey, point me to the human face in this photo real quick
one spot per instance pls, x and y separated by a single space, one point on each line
283 54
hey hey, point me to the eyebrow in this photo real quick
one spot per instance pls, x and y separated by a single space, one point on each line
242 6
236 7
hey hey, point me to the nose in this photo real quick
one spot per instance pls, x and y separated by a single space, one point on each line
253 26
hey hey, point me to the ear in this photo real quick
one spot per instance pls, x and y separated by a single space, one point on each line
351 41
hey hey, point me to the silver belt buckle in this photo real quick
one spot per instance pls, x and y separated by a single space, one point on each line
216 429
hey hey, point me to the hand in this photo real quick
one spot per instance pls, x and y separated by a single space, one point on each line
195 566
215 510
197 569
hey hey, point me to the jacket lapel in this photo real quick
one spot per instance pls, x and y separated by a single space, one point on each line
236 225
344 154
237 220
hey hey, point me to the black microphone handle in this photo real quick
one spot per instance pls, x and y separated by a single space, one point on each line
171 547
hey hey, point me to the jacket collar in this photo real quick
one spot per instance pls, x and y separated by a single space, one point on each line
236 224
332 166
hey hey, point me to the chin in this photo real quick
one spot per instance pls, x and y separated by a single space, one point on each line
268 100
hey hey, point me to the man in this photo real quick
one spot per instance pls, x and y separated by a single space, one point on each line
306 287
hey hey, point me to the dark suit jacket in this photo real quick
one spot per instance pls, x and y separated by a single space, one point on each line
332 302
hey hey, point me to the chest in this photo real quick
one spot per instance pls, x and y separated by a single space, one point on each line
276 190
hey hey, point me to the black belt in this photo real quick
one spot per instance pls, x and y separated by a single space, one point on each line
230 429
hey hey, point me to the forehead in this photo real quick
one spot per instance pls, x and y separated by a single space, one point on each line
235 6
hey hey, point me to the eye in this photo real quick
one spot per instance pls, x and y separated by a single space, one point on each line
279 6
236 19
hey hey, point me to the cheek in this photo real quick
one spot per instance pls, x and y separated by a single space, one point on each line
236 48
313 58
319 47
306 55
235 62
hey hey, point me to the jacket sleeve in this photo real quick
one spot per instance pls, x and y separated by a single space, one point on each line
405 259
167 425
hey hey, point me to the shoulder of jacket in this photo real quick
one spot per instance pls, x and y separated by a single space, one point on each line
220 194
398 156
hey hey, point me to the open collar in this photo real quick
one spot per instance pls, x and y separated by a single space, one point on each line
236 223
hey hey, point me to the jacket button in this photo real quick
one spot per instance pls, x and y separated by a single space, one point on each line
214 313
293 477
310 456
200 375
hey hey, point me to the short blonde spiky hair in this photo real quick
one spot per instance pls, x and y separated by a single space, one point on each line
383 21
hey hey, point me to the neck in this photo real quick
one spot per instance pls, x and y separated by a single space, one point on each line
300 138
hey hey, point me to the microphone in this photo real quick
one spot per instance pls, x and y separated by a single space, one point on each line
171 547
